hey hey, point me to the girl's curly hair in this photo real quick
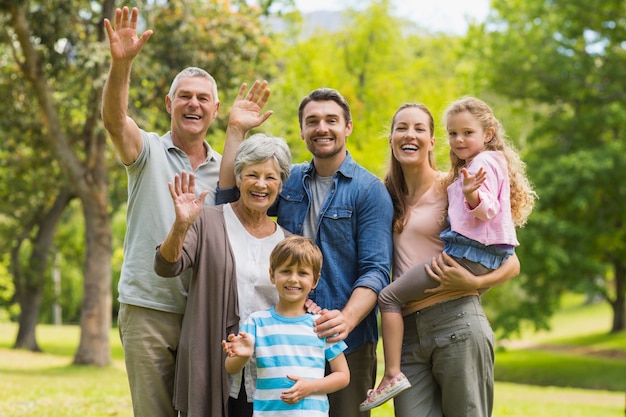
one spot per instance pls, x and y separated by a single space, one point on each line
522 194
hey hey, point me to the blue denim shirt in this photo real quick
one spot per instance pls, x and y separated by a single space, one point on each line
353 233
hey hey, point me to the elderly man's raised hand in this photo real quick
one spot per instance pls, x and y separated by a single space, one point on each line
246 111
123 40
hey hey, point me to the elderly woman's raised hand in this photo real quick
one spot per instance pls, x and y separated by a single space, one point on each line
246 111
123 40
188 207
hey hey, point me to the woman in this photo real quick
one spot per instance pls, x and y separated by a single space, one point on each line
447 352
227 248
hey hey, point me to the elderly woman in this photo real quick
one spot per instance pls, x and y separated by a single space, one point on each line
227 248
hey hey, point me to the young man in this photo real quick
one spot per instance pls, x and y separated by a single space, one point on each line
347 212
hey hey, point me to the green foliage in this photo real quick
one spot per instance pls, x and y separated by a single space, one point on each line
34 177
553 71
378 62
70 237
231 44
7 290
65 36
563 60
118 225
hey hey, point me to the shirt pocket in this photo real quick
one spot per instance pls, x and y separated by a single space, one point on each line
337 225
288 195
290 207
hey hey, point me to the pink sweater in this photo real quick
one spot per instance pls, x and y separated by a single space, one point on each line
489 223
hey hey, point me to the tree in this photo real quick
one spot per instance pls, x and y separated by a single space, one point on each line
377 61
53 46
57 50
565 60
29 288
33 194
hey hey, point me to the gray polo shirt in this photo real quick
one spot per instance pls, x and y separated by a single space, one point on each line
150 215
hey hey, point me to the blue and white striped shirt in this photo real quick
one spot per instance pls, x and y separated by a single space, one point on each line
288 346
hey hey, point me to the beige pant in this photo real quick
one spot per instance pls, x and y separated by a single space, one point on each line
150 340
362 364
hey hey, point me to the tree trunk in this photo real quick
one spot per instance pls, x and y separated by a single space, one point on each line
88 179
95 320
30 304
31 288
23 292
619 304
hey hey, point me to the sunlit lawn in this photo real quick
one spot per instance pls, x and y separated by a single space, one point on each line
48 385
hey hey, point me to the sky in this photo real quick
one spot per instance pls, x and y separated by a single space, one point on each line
448 16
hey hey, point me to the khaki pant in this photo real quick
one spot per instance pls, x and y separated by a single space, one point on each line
150 339
448 356
362 364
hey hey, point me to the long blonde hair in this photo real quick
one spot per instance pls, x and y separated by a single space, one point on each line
522 194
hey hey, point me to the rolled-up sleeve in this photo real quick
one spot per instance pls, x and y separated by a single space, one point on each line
165 268
226 195
375 242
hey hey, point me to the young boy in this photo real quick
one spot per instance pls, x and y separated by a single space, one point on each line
290 358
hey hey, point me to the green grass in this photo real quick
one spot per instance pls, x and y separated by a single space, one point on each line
515 400
574 319
577 351
538 367
48 385
574 370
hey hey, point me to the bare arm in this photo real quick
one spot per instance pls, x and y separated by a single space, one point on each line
187 208
124 45
238 350
452 276
244 116
338 378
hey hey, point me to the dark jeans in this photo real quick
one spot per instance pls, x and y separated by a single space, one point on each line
240 407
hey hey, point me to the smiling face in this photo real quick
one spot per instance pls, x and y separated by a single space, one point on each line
466 135
294 281
192 108
411 139
324 129
259 185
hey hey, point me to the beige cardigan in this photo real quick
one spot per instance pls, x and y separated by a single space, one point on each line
202 383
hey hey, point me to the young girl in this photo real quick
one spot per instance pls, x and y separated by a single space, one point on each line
488 195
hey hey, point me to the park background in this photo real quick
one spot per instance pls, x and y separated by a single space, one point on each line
553 70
